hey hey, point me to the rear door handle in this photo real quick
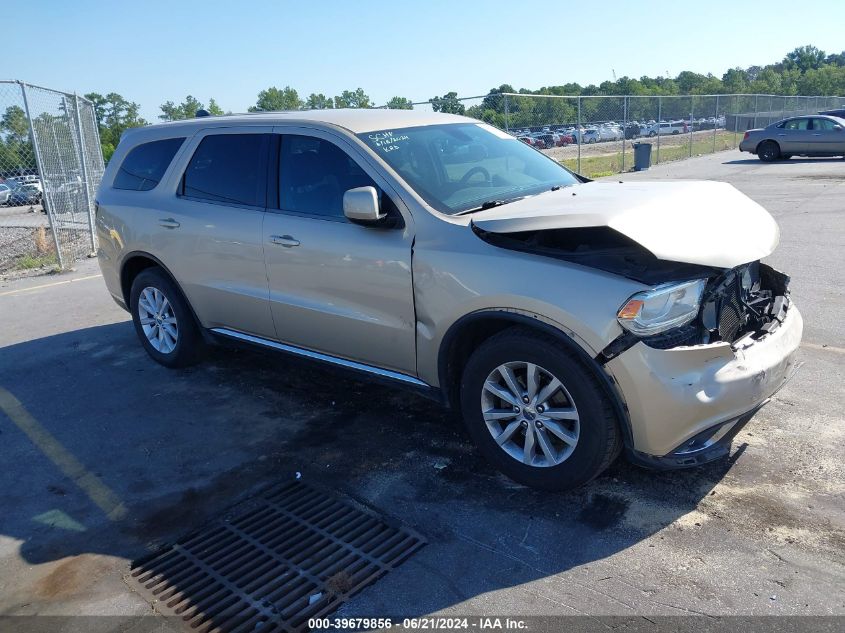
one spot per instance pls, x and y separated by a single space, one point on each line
817 134
284 240
169 223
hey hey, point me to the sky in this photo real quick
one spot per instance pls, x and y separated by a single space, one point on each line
151 51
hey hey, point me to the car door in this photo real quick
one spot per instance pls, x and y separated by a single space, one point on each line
209 234
828 137
793 136
337 287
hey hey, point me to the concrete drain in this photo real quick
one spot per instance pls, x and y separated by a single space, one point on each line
295 553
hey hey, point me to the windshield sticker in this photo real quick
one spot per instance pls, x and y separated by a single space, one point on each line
388 141
495 130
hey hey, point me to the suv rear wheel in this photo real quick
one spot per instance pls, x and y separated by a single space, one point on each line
536 413
163 320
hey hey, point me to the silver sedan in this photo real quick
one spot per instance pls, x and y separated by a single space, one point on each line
797 136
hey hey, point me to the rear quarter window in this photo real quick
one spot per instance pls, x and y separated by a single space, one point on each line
144 165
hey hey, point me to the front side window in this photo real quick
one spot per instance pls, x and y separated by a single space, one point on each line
797 124
228 168
825 125
144 165
460 167
314 174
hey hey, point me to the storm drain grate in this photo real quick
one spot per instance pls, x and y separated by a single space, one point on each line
294 554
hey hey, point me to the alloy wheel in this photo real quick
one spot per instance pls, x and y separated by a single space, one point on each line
530 414
158 320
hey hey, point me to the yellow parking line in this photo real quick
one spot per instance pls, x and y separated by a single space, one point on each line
55 283
64 460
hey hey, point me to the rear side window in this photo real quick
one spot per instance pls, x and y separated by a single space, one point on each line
797 124
228 168
144 165
314 175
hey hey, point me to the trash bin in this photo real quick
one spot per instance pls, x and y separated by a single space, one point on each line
642 156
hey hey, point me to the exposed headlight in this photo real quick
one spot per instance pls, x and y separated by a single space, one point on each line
661 308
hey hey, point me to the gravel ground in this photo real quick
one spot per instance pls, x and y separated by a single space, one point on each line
19 229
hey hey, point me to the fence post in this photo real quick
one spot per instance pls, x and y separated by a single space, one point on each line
84 164
578 132
715 123
736 121
624 128
47 193
691 117
507 126
756 99
659 118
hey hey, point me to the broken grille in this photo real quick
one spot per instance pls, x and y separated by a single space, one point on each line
294 554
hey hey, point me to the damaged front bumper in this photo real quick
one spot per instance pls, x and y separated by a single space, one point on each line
685 404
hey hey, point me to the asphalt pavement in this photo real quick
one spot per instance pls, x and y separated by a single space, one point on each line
108 455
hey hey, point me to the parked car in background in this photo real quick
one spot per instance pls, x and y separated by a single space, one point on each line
28 194
633 130
591 135
610 133
622 318
797 136
526 139
5 193
665 128
839 114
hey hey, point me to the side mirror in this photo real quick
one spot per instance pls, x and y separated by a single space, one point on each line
361 205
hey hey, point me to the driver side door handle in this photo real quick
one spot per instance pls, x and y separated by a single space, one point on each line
284 240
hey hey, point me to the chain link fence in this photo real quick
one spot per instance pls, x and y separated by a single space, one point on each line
595 135
50 166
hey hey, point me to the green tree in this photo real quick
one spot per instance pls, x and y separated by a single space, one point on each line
355 99
273 99
804 58
318 102
185 110
448 103
14 124
400 103
114 115
16 153
213 108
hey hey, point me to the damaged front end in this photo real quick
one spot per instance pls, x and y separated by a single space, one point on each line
738 306
735 305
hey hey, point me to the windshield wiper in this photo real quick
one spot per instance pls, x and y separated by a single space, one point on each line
488 204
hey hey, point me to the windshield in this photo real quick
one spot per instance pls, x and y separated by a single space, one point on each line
459 167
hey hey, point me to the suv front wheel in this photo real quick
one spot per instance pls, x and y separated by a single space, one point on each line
536 413
163 320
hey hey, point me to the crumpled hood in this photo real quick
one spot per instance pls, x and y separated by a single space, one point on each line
696 222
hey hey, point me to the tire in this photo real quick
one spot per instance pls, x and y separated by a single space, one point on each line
768 151
568 464
180 350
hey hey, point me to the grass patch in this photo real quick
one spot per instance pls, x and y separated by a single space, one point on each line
28 262
670 150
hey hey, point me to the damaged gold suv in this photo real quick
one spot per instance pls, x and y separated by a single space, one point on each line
567 320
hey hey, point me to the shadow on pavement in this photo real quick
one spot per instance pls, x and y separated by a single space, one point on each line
177 447
787 161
